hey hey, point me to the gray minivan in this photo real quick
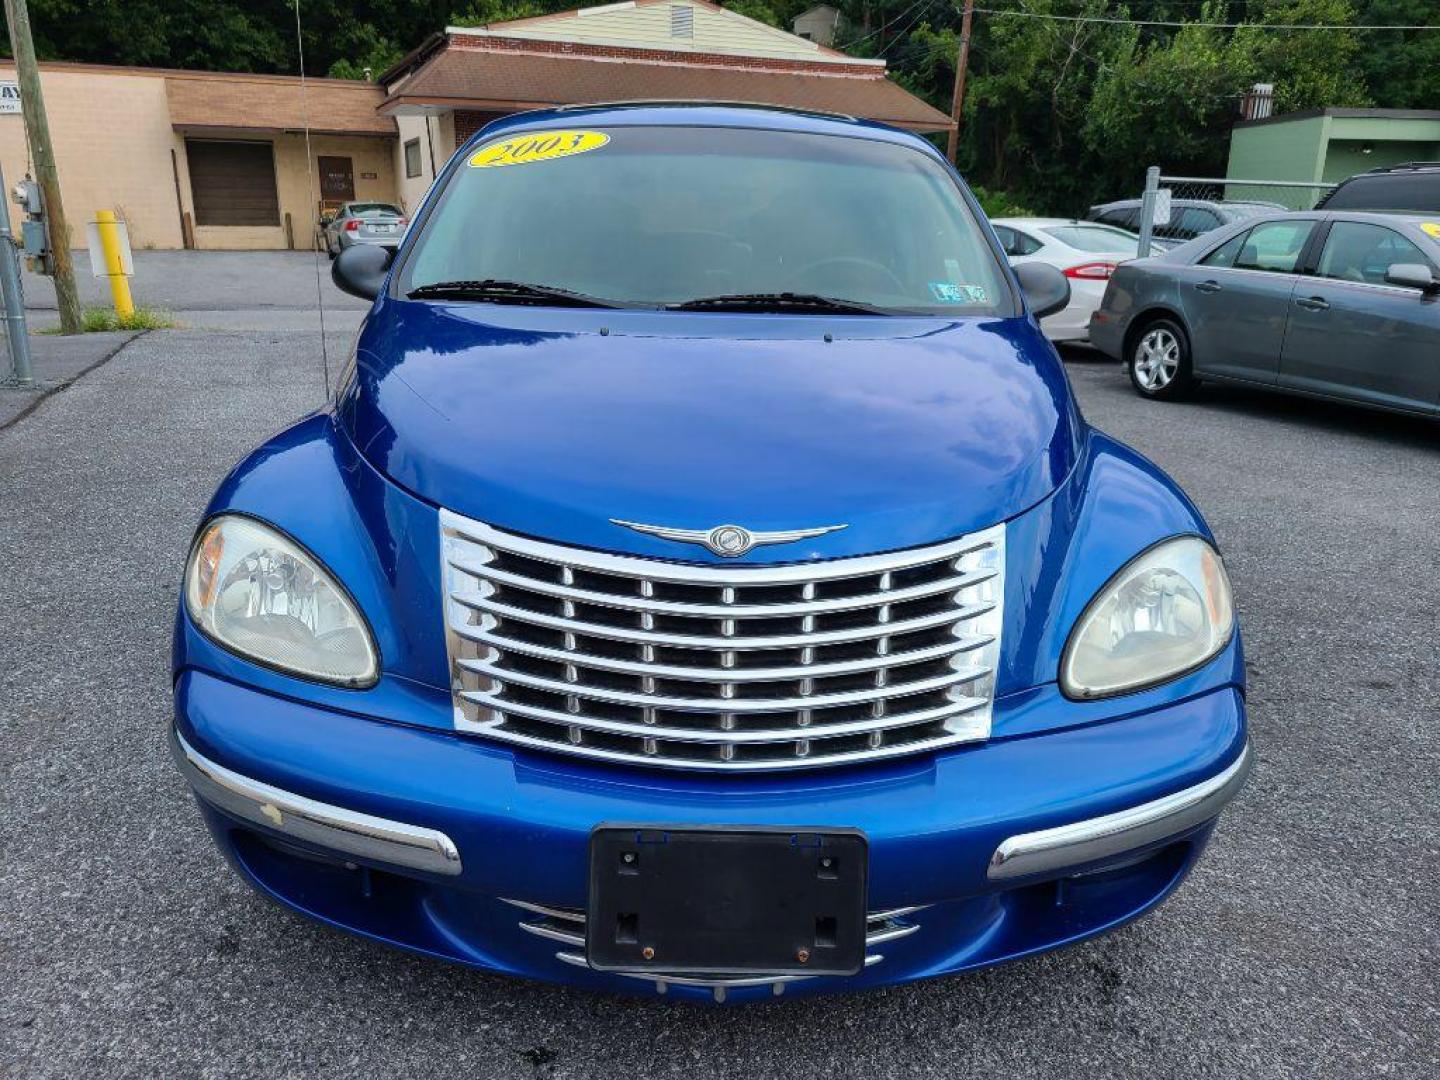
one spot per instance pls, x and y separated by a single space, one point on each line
1341 305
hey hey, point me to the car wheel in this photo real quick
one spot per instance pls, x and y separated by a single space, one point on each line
1160 361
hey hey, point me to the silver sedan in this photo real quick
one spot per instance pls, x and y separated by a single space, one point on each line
1337 305
364 223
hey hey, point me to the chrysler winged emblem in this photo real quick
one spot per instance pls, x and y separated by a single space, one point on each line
727 541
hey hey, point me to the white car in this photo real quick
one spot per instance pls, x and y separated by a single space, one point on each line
1086 252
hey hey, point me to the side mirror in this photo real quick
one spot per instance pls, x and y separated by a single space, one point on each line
1412 276
361 270
1046 289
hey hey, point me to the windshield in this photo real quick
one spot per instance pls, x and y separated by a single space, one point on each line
1097 238
374 209
659 216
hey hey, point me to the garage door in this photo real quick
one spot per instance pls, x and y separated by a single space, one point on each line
233 183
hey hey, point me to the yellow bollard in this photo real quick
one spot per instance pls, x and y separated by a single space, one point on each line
109 230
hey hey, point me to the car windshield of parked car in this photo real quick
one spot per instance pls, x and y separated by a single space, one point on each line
1097 238
1404 192
374 209
662 216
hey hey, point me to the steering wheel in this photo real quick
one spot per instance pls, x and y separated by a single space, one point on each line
880 271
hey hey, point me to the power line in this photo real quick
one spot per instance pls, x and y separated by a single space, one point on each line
901 34
885 26
1116 21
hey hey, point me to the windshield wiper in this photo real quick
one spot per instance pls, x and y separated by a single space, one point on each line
499 291
780 301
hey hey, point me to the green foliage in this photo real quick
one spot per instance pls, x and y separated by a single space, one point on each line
759 10
103 320
998 204
1401 69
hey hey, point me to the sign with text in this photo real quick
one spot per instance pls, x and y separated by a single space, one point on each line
9 97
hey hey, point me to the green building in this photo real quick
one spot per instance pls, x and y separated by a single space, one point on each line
1327 145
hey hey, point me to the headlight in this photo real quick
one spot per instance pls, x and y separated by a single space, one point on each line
261 595
1165 613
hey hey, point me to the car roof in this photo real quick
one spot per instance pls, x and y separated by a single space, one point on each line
1045 222
703 114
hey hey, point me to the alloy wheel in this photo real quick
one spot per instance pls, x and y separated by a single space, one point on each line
1157 359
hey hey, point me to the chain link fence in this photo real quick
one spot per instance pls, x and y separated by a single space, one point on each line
1174 209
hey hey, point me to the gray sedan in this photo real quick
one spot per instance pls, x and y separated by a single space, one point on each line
1337 305
364 223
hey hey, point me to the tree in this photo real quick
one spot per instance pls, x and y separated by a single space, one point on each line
1401 69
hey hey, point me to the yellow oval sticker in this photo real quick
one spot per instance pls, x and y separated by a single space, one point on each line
537 146
1431 228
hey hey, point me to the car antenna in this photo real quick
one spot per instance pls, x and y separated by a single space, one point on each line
314 202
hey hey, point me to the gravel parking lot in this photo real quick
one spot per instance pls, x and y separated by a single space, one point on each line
1305 945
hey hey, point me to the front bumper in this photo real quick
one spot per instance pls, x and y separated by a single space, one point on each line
449 846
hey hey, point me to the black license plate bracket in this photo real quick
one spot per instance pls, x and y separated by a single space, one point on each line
740 900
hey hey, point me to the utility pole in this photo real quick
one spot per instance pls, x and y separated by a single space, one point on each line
37 130
957 101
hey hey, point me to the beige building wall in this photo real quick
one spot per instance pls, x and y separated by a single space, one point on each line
297 186
413 188
117 149
112 138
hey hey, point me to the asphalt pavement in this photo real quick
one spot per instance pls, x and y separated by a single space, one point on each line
1305 944
215 290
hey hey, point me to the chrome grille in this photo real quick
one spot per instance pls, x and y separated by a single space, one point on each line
721 667
566 926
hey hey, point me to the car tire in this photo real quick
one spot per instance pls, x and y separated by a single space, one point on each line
1158 361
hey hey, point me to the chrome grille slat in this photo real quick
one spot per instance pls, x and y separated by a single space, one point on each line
642 730
880 927
721 668
695 641
732 674
705 704
721 610
799 574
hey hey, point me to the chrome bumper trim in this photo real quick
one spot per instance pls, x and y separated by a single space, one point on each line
326 826
1097 838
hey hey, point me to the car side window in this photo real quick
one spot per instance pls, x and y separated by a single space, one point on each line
1359 251
1274 246
1226 253
1192 221
1015 242
1123 218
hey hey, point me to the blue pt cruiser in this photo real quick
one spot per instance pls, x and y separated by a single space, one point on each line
703 582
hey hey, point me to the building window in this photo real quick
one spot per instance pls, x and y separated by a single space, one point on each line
682 20
412 159
233 183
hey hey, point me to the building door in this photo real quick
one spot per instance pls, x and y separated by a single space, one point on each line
337 179
232 183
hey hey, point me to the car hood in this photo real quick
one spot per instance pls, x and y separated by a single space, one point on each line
553 422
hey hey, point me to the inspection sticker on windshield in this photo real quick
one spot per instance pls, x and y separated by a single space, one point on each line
537 146
947 292
1431 228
